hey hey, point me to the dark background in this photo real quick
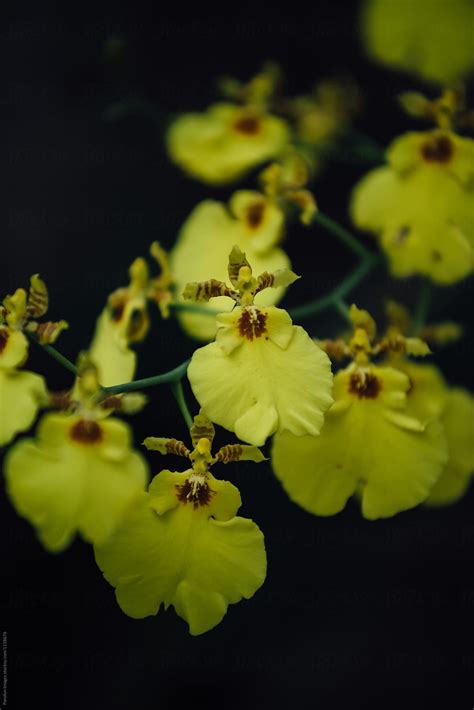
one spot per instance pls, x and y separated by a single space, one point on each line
353 613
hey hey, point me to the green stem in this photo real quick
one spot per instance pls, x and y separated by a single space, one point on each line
166 378
341 233
195 308
422 307
54 353
341 307
340 292
177 389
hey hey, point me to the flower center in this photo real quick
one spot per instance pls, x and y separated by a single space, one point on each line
364 384
438 149
3 339
252 323
86 432
255 214
195 490
248 125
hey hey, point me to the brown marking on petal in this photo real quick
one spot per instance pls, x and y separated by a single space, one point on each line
199 495
137 325
439 149
177 447
252 323
4 335
86 432
116 311
364 385
60 400
248 125
255 214
436 255
228 453
402 234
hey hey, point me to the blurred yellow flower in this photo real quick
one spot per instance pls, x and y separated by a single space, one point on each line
181 544
432 38
254 222
220 145
421 205
262 374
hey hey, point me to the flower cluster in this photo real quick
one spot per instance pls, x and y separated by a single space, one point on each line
355 416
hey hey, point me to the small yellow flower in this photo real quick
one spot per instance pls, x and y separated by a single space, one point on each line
254 222
262 374
125 320
181 544
374 442
432 38
79 475
421 205
222 144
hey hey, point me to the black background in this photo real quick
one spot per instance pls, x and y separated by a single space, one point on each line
353 613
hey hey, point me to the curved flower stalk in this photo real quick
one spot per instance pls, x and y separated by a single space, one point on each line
421 205
262 374
79 474
22 393
256 222
181 543
373 443
229 139
125 321
432 39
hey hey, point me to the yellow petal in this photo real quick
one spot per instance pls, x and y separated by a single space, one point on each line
21 395
116 363
261 388
13 348
458 418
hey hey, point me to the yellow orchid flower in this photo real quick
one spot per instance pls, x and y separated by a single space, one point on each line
222 144
421 205
79 474
181 543
374 442
430 38
262 374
